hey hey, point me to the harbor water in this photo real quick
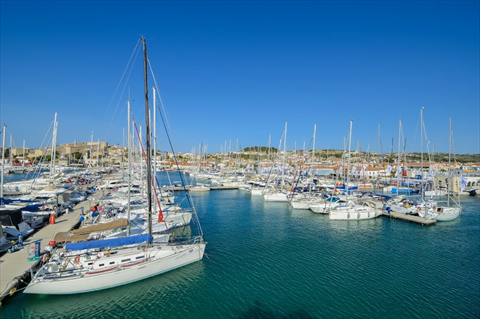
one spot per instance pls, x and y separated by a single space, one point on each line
266 260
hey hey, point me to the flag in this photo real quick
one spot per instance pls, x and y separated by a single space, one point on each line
399 172
363 170
463 183
389 170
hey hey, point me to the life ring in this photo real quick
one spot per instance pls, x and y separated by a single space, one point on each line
419 208
77 259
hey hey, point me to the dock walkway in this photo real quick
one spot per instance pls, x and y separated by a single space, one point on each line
411 218
14 267
212 188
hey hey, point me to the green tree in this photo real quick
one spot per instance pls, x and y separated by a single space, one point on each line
77 155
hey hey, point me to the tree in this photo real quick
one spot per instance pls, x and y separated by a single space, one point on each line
77 155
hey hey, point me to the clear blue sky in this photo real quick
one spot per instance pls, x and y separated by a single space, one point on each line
229 70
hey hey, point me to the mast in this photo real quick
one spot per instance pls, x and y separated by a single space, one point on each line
54 143
91 145
155 142
449 160
123 153
129 150
11 153
23 153
343 158
284 148
154 132
147 122
398 174
3 162
269 140
313 150
349 146
421 155
98 152
140 156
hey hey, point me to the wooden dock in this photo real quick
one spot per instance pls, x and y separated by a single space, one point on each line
212 188
411 218
15 267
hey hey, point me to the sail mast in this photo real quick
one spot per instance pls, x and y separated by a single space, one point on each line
313 148
3 162
147 122
449 175
349 146
129 152
421 155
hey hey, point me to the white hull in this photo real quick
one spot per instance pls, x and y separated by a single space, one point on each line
257 192
324 207
300 205
447 214
402 209
161 260
319 208
353 213
277 197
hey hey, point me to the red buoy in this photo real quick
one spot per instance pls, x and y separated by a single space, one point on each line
52 219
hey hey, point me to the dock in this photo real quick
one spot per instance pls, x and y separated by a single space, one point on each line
212 188
15 267
411 218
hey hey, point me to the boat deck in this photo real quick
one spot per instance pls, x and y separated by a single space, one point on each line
14 267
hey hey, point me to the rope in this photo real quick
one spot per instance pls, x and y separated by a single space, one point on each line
135 52
160 214
167 129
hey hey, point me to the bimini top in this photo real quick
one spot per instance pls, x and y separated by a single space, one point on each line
114 242
118 223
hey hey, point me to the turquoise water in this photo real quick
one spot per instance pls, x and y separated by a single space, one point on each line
266 260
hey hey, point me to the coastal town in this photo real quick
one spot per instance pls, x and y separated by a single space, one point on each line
366 166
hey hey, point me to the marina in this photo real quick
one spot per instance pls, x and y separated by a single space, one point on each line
381 257
260 160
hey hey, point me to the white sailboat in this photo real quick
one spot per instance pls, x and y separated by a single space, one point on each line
448 213
353 211
96 265
442 213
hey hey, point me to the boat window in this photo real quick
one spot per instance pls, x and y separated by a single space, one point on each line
139 257
124 260
101 265
112 262
90 264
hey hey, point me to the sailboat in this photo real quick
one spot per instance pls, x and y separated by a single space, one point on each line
448 213
353 211
442 213
96 265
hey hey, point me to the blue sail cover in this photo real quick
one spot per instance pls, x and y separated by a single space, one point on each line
114 242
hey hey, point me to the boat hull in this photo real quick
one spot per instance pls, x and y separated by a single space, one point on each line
277 197
119 276
448 214
353 214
